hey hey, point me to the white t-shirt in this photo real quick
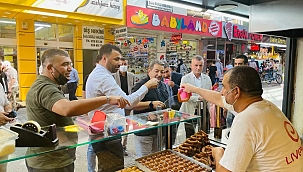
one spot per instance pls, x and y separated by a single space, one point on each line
262 139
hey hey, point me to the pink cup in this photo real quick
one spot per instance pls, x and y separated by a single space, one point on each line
166 81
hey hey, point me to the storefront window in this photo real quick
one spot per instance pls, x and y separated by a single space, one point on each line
45 31
9 53
7 28
65 33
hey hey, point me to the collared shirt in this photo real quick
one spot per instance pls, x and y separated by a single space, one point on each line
198 81
73 76
101 82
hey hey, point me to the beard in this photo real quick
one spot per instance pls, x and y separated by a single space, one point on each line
111 68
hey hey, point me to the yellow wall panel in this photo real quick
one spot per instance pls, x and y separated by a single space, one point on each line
79 91
78 55
80 80
26 39
27 66
23 92
79 67
26 80
27 53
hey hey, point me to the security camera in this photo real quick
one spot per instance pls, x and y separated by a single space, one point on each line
45 43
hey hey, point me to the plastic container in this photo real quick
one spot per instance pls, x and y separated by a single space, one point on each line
7 141
116 123
94 125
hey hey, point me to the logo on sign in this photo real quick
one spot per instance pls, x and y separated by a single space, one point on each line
228 28
214 28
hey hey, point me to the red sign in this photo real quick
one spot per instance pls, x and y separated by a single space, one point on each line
158 20
233 31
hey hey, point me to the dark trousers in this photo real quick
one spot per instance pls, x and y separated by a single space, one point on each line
110 155
191 125
69 168
72 87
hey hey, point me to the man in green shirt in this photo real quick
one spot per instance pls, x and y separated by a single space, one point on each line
47 105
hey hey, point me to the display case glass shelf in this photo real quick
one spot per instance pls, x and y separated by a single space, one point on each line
74 136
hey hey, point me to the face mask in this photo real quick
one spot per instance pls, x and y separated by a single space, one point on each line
229 107
61 80
123 68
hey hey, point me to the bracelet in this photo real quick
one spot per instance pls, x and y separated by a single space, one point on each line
107 98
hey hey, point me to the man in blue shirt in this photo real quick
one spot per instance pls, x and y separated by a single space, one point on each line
72 84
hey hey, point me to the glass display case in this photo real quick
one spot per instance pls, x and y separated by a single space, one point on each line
73 136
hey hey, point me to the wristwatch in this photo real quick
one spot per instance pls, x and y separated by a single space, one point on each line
151 104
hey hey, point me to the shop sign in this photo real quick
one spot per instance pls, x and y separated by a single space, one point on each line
93 37
121 32
239 32
159 6
274 40
158 20
104 8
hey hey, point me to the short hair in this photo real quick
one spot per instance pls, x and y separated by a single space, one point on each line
172 67
50 54
199 58
153 62
247 79
97 60
244 57
107 49
124 59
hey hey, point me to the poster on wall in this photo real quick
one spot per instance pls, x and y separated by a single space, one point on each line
93 37
104 8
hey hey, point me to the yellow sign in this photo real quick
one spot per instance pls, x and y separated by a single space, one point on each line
8 58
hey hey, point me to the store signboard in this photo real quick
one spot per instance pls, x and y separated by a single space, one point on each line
93 37
121 32
159 6
274 40
61 5
238 32
158 20
104 8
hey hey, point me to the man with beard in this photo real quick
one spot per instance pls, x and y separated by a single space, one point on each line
47 105
100 82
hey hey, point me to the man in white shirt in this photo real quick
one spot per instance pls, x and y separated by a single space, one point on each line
12 79
200 80
261 137
100 82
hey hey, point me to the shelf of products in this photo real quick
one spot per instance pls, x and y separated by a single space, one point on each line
184 50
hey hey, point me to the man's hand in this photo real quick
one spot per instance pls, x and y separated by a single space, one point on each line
188 88
118 100
4 119
171 84
158 103
152 83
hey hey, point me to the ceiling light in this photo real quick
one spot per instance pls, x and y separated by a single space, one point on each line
44 17
4 16
180 5
38 28
76 20
39 20
103 24
45 13
36 24
69 23
7 22
42 25
7 12
270 44
225 7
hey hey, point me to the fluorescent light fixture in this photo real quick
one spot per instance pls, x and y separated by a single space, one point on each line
225 7
45 13
38 28
61 5
227 15
176 4
36 24
270 44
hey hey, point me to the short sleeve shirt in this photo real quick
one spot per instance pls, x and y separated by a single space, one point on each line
41 97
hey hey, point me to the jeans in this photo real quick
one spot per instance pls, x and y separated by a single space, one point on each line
229 119
69 168
146 145
91 159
